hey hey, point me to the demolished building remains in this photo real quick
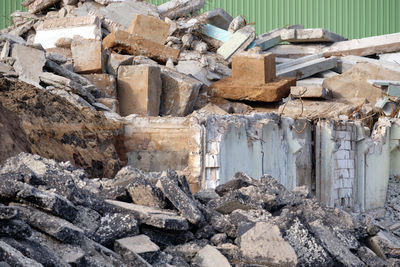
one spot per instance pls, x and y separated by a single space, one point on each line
105 84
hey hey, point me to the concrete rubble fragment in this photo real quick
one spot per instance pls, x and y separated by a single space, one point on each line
310 36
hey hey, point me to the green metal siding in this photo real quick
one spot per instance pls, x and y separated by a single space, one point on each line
6 8
350 18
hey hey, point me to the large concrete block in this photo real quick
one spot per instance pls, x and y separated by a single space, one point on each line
252 68
240 41
179 93
88 56
139 90
150 28
115 60
106 83
135 45
51 30
269 92
310 36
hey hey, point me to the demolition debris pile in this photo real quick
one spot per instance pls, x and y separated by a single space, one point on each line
97 85
55 216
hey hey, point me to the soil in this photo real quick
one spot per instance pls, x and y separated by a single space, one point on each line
53 128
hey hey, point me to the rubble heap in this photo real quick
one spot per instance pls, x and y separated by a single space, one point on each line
53 215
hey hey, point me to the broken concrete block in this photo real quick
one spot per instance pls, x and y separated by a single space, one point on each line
40 5
310 92
209 256
137 46
272 38
88 56
179 93
215 33
365 46
298 61
347 62
240 40
115 60
195 69
253 68
310 36
311 82
106 83
139 90
178 8
140 245
217 17
181 201
144 193
29 63
270 92
159 218
51 30
308 69
263 244
150 28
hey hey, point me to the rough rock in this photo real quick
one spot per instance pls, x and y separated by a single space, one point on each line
209 256
15 258
140 245
144 193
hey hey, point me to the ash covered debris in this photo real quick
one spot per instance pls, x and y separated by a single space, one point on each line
52 214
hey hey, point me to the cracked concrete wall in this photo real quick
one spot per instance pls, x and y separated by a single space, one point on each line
258 144
352 166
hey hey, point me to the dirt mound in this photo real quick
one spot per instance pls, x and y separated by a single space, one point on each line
55 129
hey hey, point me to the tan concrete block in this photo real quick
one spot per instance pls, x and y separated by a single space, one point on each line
139 90
88 56
150 28
269 92
106 83
111 103
252 68
115 60
121 41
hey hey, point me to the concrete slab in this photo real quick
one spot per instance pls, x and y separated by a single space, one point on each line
311 82
51 30
134 45
238 40
310 36
347 62
391 57
5 52
308 69
269 92
150 28
29 63
215 32
298 61
139 90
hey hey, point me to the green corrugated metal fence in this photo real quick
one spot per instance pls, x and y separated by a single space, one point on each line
350 18
6 8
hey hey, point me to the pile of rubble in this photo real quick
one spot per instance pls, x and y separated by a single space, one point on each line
53 215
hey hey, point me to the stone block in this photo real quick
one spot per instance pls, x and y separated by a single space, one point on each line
179 93
310 92
115 60
139 90
88 56
51 30
150 28
135 45
253 68
270 92
106 83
